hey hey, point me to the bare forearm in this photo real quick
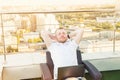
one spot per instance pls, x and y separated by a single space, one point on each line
47 34
76 32
52 36
46 37
77 35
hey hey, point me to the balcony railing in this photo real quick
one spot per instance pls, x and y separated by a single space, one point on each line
20 31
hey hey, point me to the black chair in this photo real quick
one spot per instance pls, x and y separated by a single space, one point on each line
47 69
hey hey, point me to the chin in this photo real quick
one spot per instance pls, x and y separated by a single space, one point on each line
63 41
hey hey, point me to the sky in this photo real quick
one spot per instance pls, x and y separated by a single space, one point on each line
60 4
54 2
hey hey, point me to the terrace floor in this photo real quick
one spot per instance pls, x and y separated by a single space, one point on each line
25 66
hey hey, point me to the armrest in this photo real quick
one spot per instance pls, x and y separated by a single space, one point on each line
93 71
46 75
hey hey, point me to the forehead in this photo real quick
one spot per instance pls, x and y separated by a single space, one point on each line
60 31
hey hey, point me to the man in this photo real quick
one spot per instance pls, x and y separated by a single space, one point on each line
62 48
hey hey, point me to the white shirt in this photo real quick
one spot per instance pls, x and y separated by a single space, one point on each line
63 54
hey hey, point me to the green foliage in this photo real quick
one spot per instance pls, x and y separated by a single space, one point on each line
117 25
89 20
69 19
107 25
10 49
100 26
29 40
35 40
96 29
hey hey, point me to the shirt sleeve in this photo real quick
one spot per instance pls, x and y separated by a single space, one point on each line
75 44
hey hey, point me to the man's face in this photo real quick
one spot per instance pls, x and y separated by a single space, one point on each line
61 35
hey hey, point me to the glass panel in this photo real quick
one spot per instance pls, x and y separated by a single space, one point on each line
22 31
99 29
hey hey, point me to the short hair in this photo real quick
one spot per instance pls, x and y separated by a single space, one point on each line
59 29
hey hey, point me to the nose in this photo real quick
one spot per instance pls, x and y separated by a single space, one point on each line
63 35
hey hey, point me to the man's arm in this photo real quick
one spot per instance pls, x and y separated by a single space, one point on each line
47 37
77 35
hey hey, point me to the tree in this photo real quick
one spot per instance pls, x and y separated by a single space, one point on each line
117 25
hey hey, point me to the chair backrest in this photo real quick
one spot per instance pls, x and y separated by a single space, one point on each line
79 58
50 62
71 70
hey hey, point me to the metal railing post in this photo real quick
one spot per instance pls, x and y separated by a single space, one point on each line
4 52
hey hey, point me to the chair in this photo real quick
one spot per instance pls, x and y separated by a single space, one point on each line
47 68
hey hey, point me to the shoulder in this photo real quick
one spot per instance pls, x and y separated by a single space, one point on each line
53 44
71 42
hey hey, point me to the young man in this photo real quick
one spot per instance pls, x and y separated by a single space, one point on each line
62 48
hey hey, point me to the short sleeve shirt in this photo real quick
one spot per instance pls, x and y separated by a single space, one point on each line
63 54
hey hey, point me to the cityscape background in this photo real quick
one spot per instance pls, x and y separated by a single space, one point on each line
21 24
